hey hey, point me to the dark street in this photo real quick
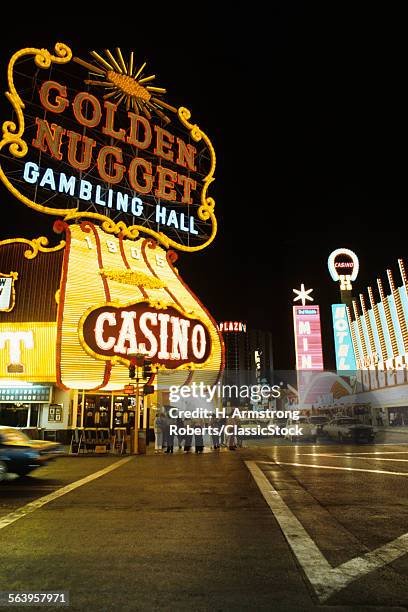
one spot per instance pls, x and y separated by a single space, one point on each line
195 532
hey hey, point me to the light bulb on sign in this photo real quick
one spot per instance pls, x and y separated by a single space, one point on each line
303 294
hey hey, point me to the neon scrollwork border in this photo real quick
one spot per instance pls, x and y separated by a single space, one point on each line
13 138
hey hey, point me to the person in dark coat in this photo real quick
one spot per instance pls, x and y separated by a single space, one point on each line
215 424
188 439
168 437
198 437
180 438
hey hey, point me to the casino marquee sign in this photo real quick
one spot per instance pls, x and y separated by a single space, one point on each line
93 141
94 138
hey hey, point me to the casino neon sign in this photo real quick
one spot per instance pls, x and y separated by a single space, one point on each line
114 332
343 266
126 158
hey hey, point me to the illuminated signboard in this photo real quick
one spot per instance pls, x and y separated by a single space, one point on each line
343 267
308 342
27 351
345 358
95 138
7 291
308 338
134 303
161 334
26 395
232 326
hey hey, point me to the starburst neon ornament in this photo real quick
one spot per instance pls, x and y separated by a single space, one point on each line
303 294
123 83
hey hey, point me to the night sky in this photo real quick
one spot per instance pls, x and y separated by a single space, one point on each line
306 111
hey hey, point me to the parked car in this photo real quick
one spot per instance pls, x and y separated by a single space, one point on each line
20 455
309 430
350 429
319 421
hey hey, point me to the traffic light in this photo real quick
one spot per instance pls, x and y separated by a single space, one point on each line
148 389
132 371
147 369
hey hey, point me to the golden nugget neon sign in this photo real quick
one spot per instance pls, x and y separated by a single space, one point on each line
113 154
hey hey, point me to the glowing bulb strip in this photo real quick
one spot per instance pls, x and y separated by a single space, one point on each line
405 283
399 309
380 331
388 318
360 329
368 325
353 336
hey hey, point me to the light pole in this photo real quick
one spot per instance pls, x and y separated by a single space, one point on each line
136 361
139 361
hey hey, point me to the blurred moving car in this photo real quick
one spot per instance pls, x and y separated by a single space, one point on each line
309 429
20 455
319 421
349 429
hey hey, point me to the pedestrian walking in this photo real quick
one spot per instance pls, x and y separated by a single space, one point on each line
188 439
158 432
167 439
222 421
231 440
180 437
215 434
198 436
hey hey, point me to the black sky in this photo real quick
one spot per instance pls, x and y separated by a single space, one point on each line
306 108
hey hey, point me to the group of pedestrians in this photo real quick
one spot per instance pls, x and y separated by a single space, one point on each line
165 439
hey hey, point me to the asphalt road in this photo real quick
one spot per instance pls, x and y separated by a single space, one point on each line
284 527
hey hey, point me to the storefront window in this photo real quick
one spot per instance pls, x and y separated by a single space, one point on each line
103 412
398 416
89 414
13 415
97 411
34 415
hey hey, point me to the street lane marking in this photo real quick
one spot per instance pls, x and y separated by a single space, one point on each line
355 454
12 517
336 467
324 579
314 564
367 458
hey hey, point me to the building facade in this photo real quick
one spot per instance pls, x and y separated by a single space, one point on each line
248 355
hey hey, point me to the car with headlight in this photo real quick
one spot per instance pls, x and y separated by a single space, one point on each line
309 430
20 455
349 429
319 421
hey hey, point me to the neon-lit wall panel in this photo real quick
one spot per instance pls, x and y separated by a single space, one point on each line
345 358
100 269
308 338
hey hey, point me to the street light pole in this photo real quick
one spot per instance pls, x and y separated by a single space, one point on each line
139 361
134 374
137 417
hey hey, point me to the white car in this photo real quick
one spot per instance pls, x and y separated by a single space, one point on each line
309 430
349 429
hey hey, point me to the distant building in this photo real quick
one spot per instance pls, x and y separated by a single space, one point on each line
248 354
